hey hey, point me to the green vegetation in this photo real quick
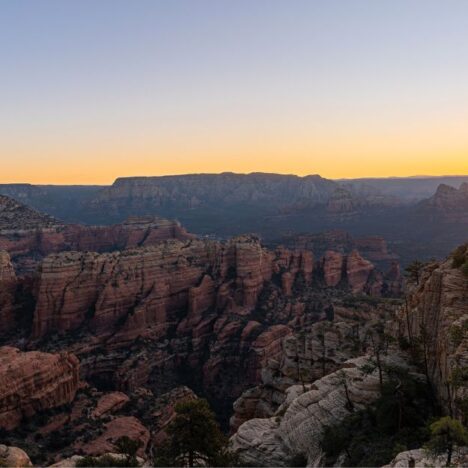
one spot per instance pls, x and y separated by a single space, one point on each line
446 434
194 438
456 335
460 258
104 461
129 448
464 268
413 271
397 421
356 301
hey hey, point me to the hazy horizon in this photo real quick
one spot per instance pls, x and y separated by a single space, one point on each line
419 176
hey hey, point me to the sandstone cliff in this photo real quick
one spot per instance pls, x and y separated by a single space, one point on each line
30 238
434 321
34 381
7 293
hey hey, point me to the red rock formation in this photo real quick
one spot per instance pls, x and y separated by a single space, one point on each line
357 271
7 296
150 286
109 403
394 280
198 293
124 426
34 381
332 265
30 243
374 248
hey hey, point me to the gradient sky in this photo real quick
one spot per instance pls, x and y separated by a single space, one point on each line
93 90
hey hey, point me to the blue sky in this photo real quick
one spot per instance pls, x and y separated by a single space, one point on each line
91 90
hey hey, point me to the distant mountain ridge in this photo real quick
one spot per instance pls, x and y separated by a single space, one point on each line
447 203
273 206
284 193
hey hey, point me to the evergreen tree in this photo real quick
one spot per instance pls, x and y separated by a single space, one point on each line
413 271
446 433
129 448
194 438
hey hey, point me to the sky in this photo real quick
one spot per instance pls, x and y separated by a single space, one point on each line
94 90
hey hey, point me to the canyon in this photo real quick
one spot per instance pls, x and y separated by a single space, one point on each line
105 328
420 217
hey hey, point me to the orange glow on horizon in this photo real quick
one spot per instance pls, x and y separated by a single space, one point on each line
424 148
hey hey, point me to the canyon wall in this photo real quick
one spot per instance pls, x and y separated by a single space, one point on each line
434 320
32 382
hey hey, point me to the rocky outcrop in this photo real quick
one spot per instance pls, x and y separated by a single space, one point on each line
394 280
357 271
296 427
15 216
7 293
359 275
122 426
151 286
435 319
375 249
301 360
421 457
194 301
332 266
31 382
148 286
308 355
109 403
13 457
29 238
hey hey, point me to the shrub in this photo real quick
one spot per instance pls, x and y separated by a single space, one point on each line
446 433
298 460
456 335
459 256
105 461
464 268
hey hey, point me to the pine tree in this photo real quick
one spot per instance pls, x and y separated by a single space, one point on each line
194 438
446 433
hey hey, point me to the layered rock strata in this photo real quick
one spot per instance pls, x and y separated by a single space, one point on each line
297 426
33 381
434 321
